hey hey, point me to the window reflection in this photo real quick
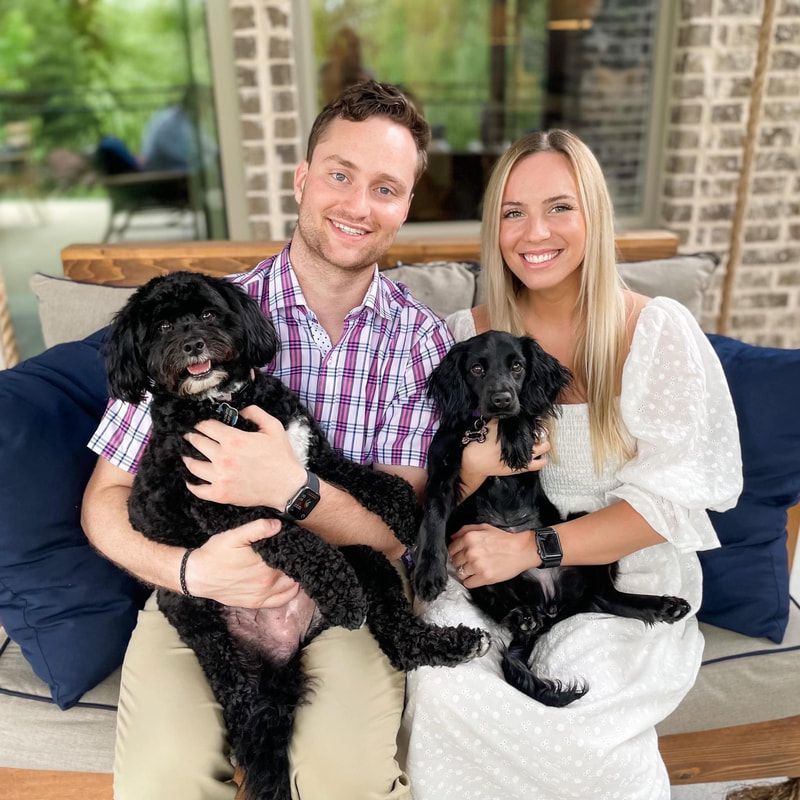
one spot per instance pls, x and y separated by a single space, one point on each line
486 71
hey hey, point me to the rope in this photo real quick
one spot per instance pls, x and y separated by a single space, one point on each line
748 156
8 344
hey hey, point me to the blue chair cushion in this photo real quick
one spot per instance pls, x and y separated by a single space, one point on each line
70 610
746 582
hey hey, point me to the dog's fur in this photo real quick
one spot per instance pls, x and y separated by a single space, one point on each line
498 376
252 659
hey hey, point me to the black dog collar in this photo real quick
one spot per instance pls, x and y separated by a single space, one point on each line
227 410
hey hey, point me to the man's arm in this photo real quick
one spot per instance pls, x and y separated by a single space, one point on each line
225 568
260 468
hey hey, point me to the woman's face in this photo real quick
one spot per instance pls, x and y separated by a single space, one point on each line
542 227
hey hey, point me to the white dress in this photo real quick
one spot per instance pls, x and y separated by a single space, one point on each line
467 734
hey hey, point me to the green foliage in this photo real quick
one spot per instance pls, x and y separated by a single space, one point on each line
77 69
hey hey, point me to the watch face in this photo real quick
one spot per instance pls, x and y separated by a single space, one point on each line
549 545
303 503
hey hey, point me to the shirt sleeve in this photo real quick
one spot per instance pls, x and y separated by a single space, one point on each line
461 324
410 420
123 433
676 404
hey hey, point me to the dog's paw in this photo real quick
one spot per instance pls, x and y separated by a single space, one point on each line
482 646
522 620
673 609
429 582
467 644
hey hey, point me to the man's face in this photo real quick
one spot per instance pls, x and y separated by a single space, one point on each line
355 192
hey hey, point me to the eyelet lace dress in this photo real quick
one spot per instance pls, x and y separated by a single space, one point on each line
466 733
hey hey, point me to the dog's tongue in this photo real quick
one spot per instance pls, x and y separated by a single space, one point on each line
199 369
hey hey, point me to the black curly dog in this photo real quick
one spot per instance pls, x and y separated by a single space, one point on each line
511 379
197 343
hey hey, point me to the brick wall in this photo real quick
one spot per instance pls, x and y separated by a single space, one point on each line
712 79
268 103
710 89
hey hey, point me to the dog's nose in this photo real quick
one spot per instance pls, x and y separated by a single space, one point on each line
501 399
194 347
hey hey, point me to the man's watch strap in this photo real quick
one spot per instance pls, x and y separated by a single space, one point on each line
303 502
548 544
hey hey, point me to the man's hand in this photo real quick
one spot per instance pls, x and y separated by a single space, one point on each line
228 570
257 468
483 554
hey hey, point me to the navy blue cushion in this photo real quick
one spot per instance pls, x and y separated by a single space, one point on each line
69 609
746 582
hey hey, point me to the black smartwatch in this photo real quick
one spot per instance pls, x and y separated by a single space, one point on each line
549 546
305 499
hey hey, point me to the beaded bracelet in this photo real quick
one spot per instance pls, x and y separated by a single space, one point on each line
184 589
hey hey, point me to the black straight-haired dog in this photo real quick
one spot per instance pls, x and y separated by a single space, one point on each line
197 345
512 379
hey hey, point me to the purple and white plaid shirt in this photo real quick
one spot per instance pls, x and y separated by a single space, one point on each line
367 391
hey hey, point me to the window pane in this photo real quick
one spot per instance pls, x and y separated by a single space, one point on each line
486 71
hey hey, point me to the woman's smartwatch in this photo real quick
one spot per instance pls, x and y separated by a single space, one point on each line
549 546
305 499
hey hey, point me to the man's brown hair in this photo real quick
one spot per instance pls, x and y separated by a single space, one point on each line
372 99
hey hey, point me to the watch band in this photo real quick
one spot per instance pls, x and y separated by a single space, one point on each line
548 544
302 503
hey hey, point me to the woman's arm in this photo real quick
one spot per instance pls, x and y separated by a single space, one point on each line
488 554
481 460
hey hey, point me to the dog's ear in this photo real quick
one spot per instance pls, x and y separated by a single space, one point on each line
447 386
260 340
545 378
125 362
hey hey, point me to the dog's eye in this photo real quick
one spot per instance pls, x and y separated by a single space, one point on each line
476 369
516 367
207 315
165 327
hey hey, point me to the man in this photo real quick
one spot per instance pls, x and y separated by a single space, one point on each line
358 350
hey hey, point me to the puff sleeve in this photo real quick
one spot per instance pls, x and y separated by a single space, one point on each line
676 404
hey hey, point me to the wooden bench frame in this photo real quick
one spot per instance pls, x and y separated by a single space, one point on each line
742 752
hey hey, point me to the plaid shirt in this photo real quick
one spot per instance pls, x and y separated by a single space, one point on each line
367 391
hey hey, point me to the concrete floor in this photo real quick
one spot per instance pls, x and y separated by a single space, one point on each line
31 239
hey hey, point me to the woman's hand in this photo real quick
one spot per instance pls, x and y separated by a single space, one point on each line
481 460
483 554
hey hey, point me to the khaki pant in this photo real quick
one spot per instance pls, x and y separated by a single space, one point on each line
171 742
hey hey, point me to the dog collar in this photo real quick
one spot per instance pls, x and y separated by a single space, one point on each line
227 410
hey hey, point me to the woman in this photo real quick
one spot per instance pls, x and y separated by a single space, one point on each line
645 442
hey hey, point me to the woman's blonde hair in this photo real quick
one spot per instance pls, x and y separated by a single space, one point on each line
600 347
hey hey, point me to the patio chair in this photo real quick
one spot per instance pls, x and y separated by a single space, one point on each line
132 189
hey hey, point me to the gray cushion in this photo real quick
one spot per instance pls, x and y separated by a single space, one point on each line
443 286
684 278
36 734
70 310
742 680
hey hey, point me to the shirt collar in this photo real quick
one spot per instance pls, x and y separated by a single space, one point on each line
285 291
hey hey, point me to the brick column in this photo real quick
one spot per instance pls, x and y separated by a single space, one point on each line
712 75
265 70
